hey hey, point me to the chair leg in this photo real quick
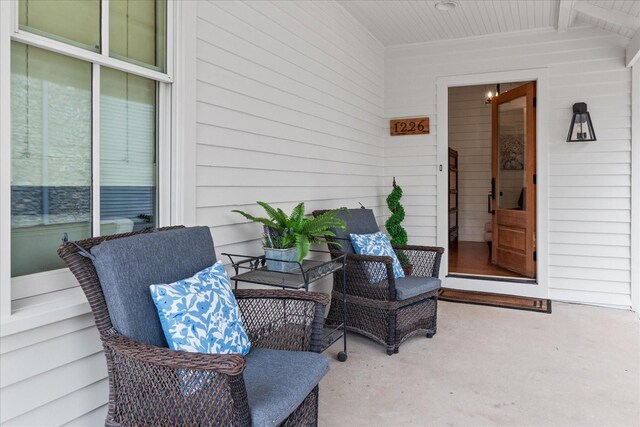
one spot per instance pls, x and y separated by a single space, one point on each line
391 333
434 319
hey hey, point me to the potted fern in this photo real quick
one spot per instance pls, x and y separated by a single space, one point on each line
287 238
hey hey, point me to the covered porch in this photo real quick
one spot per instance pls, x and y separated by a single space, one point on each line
292 101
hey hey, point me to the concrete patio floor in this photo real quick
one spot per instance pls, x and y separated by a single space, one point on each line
579 366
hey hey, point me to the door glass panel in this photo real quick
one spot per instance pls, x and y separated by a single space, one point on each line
511 153
50 156
75 22
127 152
137 31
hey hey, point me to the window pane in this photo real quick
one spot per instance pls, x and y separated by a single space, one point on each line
511 149
137 31
127 152
72 21
50 156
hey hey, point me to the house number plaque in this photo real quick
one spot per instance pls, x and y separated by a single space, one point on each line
414 126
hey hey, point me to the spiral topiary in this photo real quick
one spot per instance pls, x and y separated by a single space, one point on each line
393 224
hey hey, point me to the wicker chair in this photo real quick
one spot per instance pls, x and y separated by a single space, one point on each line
151 385
391 310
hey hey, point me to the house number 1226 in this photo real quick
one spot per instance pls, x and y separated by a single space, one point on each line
414 126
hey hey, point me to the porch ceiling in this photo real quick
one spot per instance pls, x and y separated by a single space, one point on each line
395 22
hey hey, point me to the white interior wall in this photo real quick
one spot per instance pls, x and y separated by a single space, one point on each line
589 184
470 136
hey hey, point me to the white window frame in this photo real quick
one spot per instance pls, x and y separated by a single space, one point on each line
38 286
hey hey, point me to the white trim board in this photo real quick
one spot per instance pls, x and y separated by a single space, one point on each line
541 76
635 188
5 159
183 159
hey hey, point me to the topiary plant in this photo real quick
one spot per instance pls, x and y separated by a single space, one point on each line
394 227
393 224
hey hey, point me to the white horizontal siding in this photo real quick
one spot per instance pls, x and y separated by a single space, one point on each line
589 183
289 109
53 374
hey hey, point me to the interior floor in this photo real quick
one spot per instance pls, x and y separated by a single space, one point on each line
474 258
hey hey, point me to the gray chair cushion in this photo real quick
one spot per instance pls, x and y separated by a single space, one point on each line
278 381
359 221
411 286
126 267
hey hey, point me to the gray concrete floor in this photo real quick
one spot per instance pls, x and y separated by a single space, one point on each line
579 366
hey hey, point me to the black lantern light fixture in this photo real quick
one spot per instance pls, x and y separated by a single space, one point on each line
581 128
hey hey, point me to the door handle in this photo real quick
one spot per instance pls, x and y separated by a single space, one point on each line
489 200
491 196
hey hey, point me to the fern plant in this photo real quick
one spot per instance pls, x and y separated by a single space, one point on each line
284 231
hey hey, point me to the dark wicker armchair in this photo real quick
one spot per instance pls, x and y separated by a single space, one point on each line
151 385
391 310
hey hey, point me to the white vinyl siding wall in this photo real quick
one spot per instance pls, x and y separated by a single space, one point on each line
53 375
290 106
289 109
589 183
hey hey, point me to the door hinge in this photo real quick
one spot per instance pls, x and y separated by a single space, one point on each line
535 178
535 255
535 102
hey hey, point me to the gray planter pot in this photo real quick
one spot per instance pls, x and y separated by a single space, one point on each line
277 259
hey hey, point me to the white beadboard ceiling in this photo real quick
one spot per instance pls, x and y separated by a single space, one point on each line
397 22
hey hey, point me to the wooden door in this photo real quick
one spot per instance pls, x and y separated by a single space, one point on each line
513 185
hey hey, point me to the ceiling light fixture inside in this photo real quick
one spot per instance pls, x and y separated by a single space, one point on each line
446 5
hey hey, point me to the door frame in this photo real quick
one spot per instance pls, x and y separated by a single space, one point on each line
541 76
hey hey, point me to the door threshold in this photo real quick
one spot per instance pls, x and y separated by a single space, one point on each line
523 280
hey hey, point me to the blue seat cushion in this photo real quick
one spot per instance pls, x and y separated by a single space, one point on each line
127 267
277 382
411 286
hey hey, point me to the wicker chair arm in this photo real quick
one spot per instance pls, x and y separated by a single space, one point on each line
228 364
205 389
316 297
283 319
425 260
437 249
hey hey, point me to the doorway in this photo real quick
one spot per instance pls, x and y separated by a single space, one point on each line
491 181
524 287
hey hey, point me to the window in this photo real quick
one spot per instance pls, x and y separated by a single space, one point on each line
88 88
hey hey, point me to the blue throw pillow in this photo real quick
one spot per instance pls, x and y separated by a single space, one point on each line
200 314
376 244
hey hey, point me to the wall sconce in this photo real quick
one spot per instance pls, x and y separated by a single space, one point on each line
490 95
581 128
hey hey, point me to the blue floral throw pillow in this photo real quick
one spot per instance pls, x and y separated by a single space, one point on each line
376 244
200 314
